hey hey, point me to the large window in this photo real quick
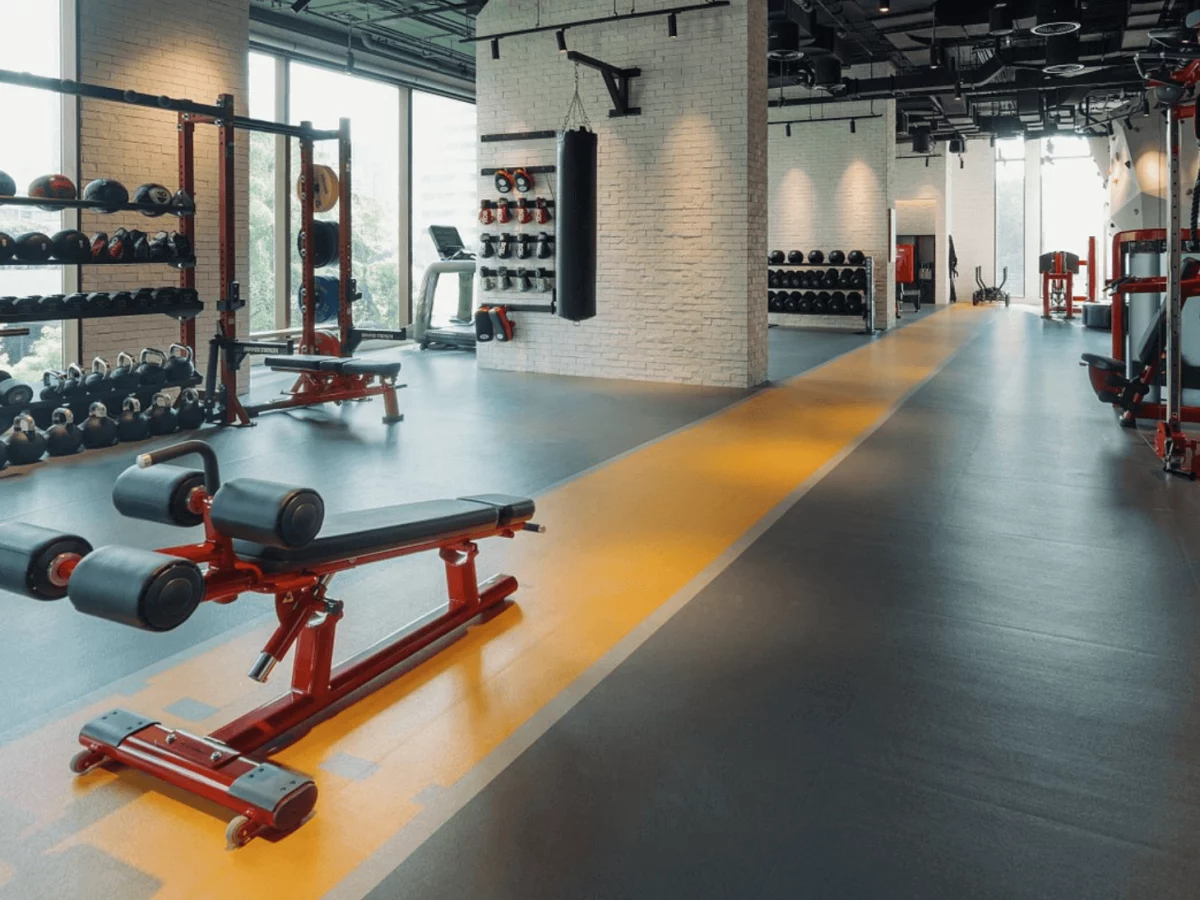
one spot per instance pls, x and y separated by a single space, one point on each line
264 314
32 145
322 96
1010 214
1073 198
444 185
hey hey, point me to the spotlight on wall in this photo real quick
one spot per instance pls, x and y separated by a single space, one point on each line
853 127
672 26
789 129
299 5
958 90
495 48
561 37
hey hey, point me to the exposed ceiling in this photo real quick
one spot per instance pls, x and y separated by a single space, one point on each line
425 33
973 68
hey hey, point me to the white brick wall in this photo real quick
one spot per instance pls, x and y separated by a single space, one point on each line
832 190
922 198
973 217
682 219
184 49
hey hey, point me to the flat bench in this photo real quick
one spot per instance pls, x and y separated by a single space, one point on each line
333 364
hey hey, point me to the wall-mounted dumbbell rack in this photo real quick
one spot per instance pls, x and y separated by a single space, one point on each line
800 312
534 271
185 306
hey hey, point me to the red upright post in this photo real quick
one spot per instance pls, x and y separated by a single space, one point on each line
187 224
308 334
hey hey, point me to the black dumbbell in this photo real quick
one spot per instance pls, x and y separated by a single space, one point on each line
75 304
773 278
8 306
806 302
831 278
772 302
144 298
99 300
169 296
793 302
26 306
846 278
51 306
837 303
13 392
821 304
860 279
854 304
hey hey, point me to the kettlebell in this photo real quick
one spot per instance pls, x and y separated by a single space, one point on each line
162 416
52 385
123 378
97 379
191 413
26 444
99 430
74 386
151 372
64 437
179 364
132 425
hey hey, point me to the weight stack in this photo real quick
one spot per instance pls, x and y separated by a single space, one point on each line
576 240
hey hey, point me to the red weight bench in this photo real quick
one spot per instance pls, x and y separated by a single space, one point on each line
334 379
265 538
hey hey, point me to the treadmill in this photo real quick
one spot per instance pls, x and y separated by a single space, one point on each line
459 333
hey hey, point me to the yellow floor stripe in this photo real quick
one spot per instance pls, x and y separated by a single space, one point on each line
624 538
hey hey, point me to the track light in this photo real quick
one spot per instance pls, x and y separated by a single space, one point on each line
884 6
561 37
299 5
495 48
672 26
958 90
853 127
991 140
789 129
962 163
937 55
927 162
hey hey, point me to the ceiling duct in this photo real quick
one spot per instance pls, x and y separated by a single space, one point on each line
1000 20
1056 17
783 41
827 70
1062 54
922 140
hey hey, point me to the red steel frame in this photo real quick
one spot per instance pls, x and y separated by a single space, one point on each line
1066 279
208 766
315 387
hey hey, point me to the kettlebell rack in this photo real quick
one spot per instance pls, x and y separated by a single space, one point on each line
806 306
183 304
228 352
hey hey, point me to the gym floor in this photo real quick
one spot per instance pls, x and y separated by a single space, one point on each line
915 621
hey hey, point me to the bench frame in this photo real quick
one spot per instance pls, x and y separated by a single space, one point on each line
218 767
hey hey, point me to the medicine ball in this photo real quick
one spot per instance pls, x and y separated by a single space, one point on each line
7 247
107 191
796 257
837 258
326 243
33 246
8 187
52 187
328 298
71 246
816 257
777 258
153 195
325 189
856 258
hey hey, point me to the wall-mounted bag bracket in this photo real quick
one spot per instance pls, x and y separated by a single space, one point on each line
616 80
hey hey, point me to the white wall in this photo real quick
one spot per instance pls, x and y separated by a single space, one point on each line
973 217
682 196
830 189
922 197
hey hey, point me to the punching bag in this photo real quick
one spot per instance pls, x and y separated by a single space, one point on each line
576 242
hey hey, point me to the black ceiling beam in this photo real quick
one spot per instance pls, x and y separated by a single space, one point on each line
619 17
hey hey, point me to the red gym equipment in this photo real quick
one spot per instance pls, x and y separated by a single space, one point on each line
265 538
1058 280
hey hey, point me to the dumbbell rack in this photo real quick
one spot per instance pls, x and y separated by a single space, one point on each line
864 322
185 312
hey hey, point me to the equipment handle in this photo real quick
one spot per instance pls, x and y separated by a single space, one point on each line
100 366
151 351
212 472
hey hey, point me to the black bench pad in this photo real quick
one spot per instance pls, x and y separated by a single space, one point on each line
363 367
374 530
304 363
1103 363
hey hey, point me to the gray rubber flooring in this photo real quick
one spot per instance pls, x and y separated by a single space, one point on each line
465 432
965 665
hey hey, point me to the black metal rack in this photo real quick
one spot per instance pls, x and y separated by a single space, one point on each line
796 319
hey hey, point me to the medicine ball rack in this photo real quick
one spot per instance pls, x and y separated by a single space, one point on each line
187 311
325 372
826 321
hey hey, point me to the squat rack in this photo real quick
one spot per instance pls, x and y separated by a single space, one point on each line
227 351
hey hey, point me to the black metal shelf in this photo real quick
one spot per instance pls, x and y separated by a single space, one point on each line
189 263
824 265
100 205
181 311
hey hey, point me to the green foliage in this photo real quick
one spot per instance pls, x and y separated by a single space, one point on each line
26 358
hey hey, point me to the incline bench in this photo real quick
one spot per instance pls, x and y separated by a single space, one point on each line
266 538
333 379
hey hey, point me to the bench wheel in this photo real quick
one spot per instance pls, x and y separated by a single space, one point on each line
238 833
84 761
